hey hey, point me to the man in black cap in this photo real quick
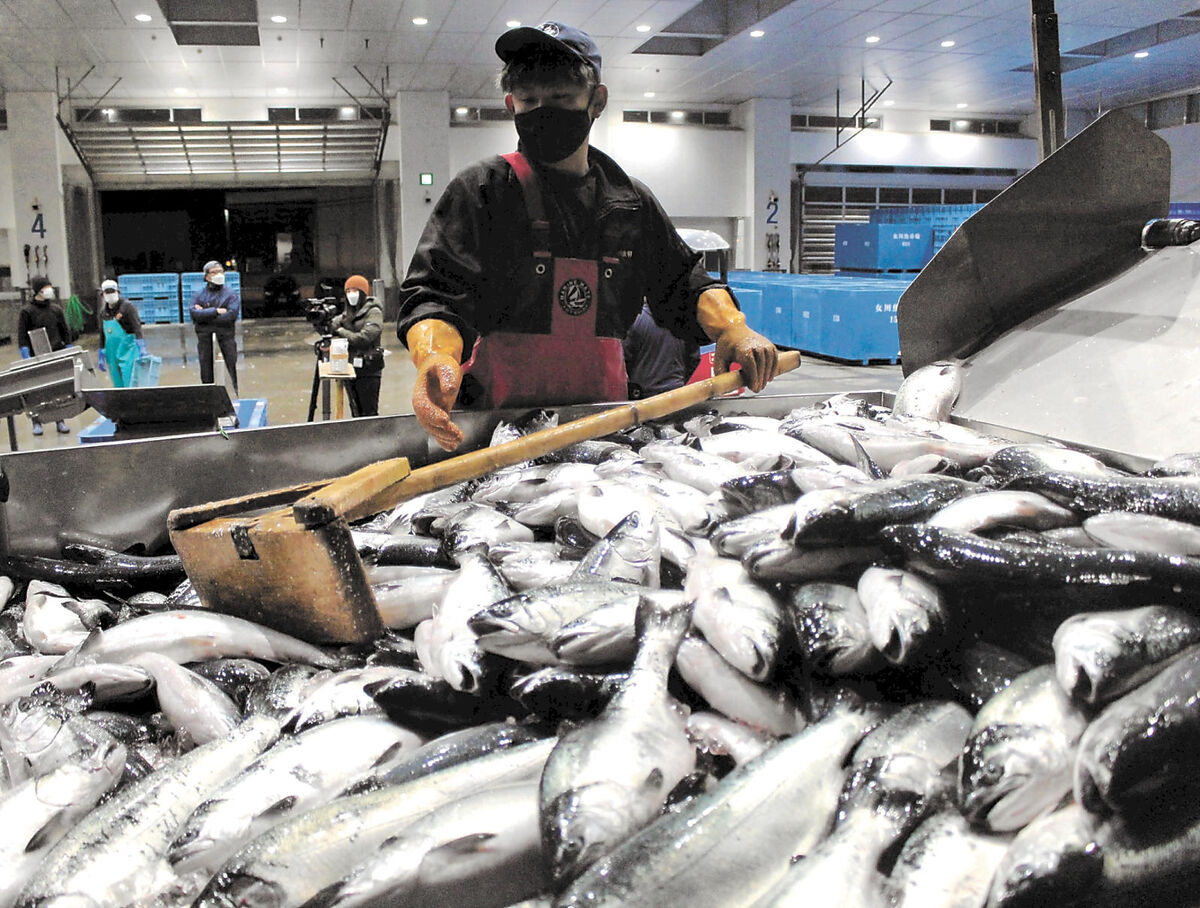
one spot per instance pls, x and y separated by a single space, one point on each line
534 265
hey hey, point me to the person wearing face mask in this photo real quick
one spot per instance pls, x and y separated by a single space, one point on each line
121 330
534 265
361 323
42 312
214 313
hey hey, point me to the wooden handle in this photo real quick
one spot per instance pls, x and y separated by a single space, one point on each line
344 497
537 444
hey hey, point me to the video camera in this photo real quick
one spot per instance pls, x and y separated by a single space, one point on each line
320 313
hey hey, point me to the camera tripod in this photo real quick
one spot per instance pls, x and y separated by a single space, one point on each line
321 352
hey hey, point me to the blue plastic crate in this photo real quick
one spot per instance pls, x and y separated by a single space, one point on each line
890 246
860 325
751 302
165 284
193 282
145 373
156 310
775 321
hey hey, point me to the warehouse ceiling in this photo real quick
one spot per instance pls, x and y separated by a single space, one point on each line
940 55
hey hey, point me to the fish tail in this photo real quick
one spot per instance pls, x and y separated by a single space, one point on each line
666 616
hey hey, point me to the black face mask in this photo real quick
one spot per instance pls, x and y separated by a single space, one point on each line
550 134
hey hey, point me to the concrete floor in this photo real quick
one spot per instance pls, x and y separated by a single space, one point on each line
276 362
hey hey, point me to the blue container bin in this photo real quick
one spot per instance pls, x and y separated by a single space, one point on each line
900 246
751 302
859 324
145 374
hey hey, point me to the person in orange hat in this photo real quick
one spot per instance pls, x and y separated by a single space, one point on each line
361 323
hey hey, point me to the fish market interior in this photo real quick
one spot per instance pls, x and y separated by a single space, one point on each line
359 548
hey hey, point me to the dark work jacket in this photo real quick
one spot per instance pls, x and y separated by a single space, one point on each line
126 315
363 327
474 269
206 319
49 316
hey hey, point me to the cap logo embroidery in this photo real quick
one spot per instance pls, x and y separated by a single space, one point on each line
550 28
575 296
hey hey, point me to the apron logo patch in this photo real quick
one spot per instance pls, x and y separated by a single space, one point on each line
575 296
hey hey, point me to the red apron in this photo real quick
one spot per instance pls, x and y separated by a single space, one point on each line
570 364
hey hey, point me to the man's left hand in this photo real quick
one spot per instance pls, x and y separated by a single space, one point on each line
743 345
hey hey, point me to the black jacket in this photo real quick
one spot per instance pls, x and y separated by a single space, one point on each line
126 315
362 328
46 315
474 268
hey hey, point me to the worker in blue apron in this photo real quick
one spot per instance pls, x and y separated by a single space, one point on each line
121 327
534 265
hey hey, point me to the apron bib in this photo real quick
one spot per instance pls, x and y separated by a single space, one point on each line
120 349
571 364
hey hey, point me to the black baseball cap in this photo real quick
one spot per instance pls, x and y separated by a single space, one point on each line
553 35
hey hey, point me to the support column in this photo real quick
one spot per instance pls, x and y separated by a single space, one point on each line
40 216
768 126
423 121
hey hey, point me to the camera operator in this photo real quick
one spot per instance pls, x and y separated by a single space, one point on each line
361 323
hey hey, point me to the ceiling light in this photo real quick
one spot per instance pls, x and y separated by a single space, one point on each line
461 111
281 90
647 94
420 20
279 20
513 23
677 115
888 103
643 28
757 33
142 17
962 124
961 106
872 39
947 43
346 111
1141 55
181 91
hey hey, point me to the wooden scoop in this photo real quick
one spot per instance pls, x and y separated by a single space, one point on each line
285 558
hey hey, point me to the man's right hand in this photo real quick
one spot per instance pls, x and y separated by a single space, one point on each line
436 349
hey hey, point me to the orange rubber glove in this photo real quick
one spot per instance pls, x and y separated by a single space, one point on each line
436 350
736 342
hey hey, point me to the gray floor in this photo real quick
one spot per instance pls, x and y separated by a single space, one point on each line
276 362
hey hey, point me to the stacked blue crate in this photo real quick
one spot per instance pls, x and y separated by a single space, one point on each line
844 317
942 219
156 296
193 283
893 246
1189 210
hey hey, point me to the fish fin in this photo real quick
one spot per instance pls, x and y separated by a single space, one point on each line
389 754
864 461
50 833
448 853
278 809
654 779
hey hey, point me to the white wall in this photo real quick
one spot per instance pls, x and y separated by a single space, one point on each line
8 255
916 149
1185 161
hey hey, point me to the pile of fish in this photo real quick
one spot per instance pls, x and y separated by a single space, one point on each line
850 656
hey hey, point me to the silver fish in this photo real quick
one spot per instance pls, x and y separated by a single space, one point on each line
1143 533
735 537
527 565
630 551
779 559
698 469
39 734
738 618
299 772
714 734
608 778
512 485
889 448
759 451
483 849
116 855
1138 755
1019 756
19 674
882 801
1099 656
454 654
195 636
930 391
194 705
336 695
730 845
946 864
831 630
526 626
37 813
1055 857
294 860
732 694
51 626
1002 508
931 729
904 611
477 526
406 601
